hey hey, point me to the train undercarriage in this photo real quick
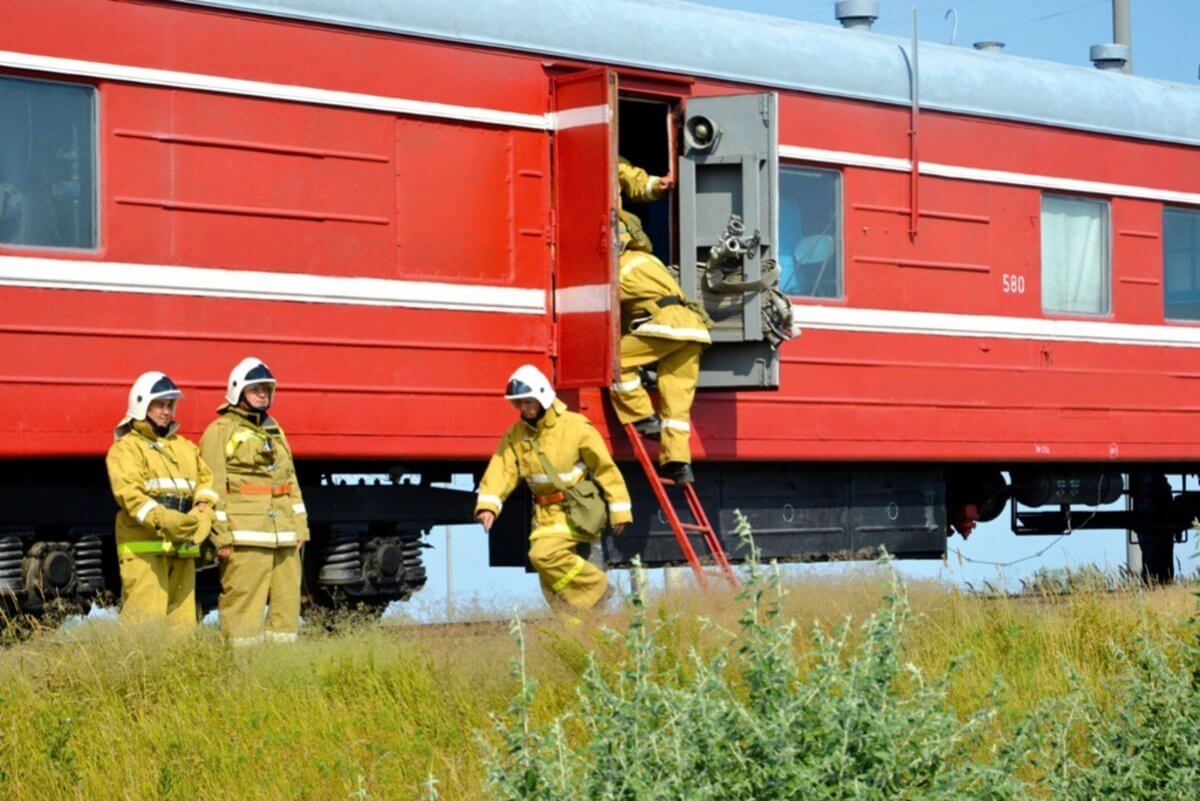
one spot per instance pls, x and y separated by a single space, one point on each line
368 533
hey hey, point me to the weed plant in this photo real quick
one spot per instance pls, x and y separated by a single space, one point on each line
758 720
755 720
881 691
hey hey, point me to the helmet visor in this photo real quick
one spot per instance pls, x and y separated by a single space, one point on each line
164 389
517 389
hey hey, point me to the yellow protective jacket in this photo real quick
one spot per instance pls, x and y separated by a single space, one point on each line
145 470
640 187
645 284
574 448
255 477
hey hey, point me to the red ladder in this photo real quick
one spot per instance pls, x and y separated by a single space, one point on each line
681 529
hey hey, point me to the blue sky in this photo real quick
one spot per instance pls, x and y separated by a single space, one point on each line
1166 46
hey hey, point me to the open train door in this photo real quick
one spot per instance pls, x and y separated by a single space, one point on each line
729 164
586 307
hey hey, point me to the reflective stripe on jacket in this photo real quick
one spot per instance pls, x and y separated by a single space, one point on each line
574 447
144 469
157 547
255 476
644 281
640 187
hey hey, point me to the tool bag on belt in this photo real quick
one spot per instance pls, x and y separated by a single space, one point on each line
585 506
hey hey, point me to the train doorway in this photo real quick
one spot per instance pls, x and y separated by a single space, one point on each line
643 138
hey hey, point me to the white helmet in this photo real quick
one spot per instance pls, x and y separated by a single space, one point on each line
247 372
148 387
530 382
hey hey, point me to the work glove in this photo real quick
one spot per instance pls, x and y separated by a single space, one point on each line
168 522
186 533
204 520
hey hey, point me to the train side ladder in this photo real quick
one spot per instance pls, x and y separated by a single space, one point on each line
680 528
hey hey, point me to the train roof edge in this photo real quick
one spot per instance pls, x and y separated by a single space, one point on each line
680 37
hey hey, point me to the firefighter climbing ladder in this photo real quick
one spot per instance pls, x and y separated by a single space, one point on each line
680 528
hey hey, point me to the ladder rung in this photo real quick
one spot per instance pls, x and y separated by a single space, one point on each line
678 527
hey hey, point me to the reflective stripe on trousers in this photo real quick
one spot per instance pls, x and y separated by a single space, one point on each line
263 539
559 585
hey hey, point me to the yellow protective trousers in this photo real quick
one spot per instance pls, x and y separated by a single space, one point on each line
258 580
678 370
158 587
567 578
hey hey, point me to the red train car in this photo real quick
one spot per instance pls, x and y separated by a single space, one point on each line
994 264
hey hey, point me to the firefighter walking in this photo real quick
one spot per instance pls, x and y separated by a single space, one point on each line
559 454
165 505
261 522
661 327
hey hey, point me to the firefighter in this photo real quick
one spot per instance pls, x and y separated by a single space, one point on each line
640 187
661 327
261 520
165 505
574 449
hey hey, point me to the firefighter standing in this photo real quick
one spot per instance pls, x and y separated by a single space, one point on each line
575 450
164 493
661 327
261 520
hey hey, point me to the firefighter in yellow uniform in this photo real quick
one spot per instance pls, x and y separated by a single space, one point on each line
659 328
261 520
164 493
575 450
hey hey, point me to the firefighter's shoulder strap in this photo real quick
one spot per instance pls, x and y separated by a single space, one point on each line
586 509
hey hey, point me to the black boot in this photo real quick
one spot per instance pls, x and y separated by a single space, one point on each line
649 427
680 472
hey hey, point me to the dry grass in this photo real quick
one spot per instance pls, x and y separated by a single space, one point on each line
369 711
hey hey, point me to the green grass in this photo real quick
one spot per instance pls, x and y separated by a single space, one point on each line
372 711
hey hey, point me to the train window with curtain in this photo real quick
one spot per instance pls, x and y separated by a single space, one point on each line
47 164
810 232
1181 263
1075 255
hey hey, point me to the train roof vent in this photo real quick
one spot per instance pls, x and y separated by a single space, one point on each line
857 14
989 47
1110 57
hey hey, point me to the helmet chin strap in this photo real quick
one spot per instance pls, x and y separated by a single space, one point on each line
248 406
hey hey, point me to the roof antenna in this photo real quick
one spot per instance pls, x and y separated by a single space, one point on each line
954 29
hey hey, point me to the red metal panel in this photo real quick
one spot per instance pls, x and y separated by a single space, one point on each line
586 252
355 381
472 202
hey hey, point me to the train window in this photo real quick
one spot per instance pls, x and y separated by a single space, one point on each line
1075 255
47 164
1181 263
810 235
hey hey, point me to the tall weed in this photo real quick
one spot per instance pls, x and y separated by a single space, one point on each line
755 721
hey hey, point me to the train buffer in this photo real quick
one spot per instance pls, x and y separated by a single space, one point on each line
682 530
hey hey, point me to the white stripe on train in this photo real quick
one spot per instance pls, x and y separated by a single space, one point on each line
159 279
163 279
